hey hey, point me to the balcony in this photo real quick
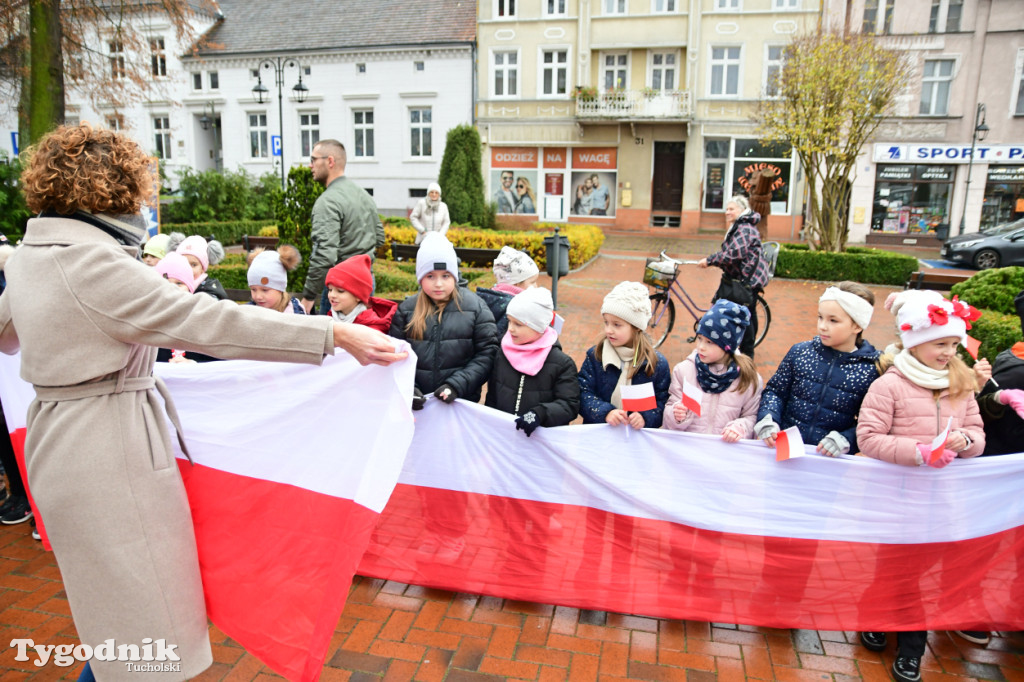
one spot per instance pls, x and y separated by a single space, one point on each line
635 104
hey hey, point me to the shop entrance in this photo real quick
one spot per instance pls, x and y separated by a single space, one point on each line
667 184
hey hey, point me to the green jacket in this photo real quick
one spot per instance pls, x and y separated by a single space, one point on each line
345 224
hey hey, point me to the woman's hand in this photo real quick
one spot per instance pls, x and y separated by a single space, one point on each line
702 263
617 417
367 346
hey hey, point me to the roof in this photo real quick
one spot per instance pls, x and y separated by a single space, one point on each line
266 26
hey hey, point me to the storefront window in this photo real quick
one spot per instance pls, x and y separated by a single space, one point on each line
1004 195
716 160
911 198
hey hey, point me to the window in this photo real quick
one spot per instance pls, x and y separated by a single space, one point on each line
938 74
360 68
615 71
1019 111
716 160
417 193
309 131
162 136
664 6
872 10
258 136
505 8
418 66
363 124
420 129
727 4
725 72
114 122
214 80
116 50
506 73
255 73
663 71
953 12
554 72
306 70
197 81
614 6
554 8
786 4
71 120
773 69
158 56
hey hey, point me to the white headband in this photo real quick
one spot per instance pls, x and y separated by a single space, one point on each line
855 306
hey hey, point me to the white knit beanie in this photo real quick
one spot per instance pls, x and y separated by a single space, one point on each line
630 301
266 271
921 321
436 253
533 307
512 266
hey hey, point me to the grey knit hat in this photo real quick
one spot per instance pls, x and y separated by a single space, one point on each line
630 301
512 266
436 253
533 307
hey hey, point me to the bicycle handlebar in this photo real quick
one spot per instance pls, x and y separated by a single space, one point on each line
666 257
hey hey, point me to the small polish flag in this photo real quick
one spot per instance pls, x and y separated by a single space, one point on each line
972 346
789 444
692 397
939 442
638 397
558 323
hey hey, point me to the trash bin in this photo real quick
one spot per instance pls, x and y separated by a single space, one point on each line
563 255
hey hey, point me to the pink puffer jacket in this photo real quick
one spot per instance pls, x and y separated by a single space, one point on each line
897 414
718 410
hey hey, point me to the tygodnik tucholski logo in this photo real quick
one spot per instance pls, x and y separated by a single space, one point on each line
150 656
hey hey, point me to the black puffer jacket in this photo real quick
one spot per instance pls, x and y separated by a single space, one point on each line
554 393
459 351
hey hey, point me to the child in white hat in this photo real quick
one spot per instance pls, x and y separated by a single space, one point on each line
514 272
201 254
532 378
623 356
268 279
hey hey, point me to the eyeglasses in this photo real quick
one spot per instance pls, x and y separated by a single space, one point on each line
520 186
316 158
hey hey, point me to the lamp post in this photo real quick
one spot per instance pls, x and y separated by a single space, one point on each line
980 131
279 64
209 117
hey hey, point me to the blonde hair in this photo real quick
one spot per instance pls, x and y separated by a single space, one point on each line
425 307
645 353
749 378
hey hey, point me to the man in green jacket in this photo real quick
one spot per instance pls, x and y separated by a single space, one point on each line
345 221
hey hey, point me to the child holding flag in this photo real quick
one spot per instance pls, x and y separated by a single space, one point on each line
624 380
716 389
922 411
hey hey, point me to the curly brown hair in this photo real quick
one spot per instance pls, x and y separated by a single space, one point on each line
81 168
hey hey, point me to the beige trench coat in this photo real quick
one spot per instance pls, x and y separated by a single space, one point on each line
87 317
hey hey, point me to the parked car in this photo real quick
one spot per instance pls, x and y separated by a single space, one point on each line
992 248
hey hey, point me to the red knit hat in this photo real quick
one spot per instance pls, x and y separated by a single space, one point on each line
353 275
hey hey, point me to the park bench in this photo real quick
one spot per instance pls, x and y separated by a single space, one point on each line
251 242
937 281
480 258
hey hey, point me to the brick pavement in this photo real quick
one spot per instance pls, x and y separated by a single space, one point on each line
392 632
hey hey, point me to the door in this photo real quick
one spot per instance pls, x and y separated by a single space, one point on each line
667 185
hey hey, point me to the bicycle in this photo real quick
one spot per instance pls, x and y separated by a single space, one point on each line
663 274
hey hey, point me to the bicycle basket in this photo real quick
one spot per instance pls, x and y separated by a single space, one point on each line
659 274
771 255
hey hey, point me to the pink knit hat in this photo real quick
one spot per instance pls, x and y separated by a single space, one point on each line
175 266
196 246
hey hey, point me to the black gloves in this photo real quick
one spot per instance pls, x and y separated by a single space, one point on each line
528 422
445 393
418 401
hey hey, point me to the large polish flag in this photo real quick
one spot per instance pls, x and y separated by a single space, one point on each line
677 525
292 466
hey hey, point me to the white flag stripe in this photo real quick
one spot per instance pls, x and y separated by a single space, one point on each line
637 391
701 481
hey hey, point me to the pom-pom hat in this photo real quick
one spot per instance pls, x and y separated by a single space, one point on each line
266 270
436 253
921 321
533 307
725 324
354 276
630 301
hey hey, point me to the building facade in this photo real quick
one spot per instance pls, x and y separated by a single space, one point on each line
633 114
951 159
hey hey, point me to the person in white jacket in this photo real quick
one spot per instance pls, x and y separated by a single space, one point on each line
430 214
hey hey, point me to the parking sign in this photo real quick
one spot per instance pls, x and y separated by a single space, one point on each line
275 144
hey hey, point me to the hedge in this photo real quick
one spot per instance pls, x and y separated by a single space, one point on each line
997 331
230 232
857 263
992 289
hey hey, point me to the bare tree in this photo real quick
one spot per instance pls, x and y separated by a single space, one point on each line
833 92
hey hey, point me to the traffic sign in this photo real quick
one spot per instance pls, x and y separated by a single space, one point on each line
275 144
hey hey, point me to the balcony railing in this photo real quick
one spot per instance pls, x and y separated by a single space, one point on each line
635 104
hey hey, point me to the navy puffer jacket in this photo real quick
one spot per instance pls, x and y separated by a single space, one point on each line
597 383
818 389
497 302
459 351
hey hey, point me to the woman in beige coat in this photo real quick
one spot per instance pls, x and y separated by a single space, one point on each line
88 318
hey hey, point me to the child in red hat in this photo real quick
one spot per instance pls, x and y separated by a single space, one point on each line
350 289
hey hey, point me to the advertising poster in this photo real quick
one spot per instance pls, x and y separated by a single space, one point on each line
514 187
593 182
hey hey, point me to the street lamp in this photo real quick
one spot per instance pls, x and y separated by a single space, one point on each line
279 64
979 134
209 117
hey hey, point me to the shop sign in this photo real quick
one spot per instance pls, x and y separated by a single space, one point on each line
514 157
895 172
935 173
1006 174
555 157
751 168
948 153
595 158
553 184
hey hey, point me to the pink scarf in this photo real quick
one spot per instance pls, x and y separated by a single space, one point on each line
508 289
528 358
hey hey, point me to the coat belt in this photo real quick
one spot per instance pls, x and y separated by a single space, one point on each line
114 386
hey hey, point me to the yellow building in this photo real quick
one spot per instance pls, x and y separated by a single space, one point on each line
633 114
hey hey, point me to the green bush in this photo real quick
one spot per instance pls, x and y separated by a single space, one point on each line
997 331
857 263
461 178
232 275
227 195
294 211
225 232
992 289
13 211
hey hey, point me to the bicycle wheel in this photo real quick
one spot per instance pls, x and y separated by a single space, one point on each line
663 317
764 318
